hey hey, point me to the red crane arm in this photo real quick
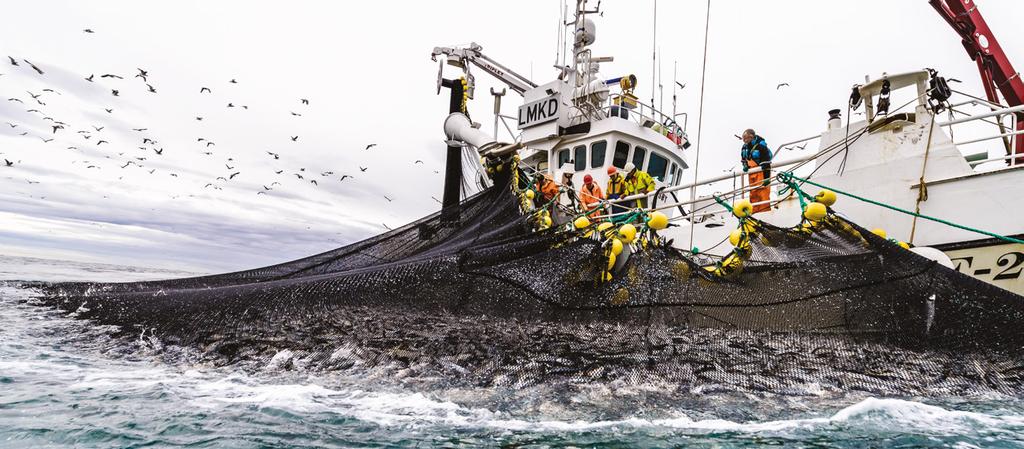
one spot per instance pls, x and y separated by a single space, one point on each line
997 74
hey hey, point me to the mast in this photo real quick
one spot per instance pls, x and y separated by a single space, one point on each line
450 200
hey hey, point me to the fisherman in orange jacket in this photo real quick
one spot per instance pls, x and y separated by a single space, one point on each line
591 196
548 190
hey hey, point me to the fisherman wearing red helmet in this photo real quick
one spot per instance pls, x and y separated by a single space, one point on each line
591 196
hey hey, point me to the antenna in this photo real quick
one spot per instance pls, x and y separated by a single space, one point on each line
565 26
558 37
675 70
654 54
661 87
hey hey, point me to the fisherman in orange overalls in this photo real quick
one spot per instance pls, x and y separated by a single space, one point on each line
755 153
591 197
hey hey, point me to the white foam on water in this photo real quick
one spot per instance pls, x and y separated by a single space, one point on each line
279 360
418 409
296 397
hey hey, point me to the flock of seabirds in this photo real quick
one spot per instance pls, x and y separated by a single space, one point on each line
35 103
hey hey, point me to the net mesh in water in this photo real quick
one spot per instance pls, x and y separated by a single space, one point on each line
485 292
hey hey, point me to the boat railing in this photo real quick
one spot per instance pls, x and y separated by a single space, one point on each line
737 176
784 163
995 116
776 165
644 114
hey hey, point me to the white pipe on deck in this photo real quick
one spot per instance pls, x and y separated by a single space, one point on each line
459 128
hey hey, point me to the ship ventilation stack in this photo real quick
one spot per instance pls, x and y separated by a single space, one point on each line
835 120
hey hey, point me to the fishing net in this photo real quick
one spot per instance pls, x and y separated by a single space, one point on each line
479 294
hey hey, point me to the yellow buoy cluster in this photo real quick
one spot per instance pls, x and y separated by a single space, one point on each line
616 237
736 236
465 92
742 208
881 233
740 240
627 233
616 246
612 246
583 224
826 197
657 221
816 212
542 219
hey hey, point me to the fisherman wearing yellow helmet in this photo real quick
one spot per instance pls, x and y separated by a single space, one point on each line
638 182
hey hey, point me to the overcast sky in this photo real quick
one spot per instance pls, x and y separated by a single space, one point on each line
366 70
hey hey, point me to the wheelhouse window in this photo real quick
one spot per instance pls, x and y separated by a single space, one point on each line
563 156
597 152
679 176
580 158
621 154
657 166
639 153
671 174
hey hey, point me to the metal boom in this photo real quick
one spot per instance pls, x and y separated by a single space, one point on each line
474 55
997 74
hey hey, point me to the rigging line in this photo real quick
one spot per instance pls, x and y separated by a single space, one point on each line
846 151
922 191
700 111
965 114
819 166
993 105
897 209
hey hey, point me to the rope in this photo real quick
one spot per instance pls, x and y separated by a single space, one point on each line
700 111
801 195
846 151
922 191
919 215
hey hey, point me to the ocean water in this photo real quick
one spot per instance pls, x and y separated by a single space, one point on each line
66 383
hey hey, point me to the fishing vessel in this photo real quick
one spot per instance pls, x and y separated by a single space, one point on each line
512 286
897 169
